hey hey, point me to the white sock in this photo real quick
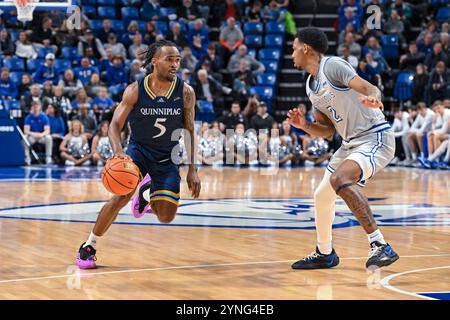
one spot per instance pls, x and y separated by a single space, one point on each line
92 240
376 236
414 156
422 155
324 210
325 248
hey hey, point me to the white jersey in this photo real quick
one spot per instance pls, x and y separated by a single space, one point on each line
401 126
442 123
342 106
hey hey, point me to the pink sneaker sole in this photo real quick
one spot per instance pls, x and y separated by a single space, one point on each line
85 264
135 202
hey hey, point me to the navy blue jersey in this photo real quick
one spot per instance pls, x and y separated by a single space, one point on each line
153 119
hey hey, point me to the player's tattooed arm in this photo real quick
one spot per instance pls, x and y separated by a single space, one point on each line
193 180
120 116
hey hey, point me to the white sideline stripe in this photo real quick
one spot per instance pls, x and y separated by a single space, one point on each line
385 282
188 267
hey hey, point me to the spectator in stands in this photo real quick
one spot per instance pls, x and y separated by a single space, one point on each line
348 28
345 50
24 48
47 90
214 60
303 137
75 147
102 103
367 32
444 39
421 125
373 46
404 10
86 117
231 37
6 45
432 28
151 10
117 76
84 72
57 128
106 62
105 31
47 71
437 83
355 48
234 117
253 65
37 130
420 83
186 76
272 11
395 25
60 102
188 61
373 65
349 17
188 11
176 36
66 37
70 84
251 107
137 47
27 101
243 79
262 121
118 49
8 89
93 61
206 88
230 9
101 147
355 6
426 45
94 85
400 127
254 14
150 33
24 86
81 98
435 55
136 71
43 37
198 39
410 60
127 37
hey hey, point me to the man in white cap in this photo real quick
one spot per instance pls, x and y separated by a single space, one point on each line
47 71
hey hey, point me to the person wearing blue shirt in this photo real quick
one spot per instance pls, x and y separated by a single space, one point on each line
47 71
349 17
57 128
102 103
37 130
151 10
198 39
85 71
354 5
117 76
8 89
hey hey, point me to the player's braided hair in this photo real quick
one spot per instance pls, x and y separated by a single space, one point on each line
153 49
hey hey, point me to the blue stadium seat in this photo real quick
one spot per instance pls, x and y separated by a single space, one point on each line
33 64
142 25
90 11
164 12
69 52
253 41
161 26
110 3
129 13
118 26
11 104
42 52
106 12
14 35
266 79
89 2
96 24
265 93
273 41
443 14
253 28
270 65
403 86
16 76
390 46
269 54
14 64
251 53
62 65
274 27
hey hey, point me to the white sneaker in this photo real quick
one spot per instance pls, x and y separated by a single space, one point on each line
69 163
27 161
48 160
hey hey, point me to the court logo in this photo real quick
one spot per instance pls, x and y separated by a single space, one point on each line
293 213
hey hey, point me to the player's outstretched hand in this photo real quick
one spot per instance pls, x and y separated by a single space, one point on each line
296 118
121 155
194 183
372 102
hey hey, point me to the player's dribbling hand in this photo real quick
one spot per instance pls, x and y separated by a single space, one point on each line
296 118
372 102
121 155
194 183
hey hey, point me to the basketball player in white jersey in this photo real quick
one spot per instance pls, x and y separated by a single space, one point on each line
344 102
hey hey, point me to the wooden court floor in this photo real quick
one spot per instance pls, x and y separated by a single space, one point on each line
236 242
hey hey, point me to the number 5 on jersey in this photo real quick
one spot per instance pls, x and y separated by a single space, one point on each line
160 126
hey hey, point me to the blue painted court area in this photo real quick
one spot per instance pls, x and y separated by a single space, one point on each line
436 295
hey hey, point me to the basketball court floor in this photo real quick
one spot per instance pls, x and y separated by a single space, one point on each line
236 242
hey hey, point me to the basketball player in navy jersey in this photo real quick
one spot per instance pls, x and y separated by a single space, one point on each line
343 102
156 107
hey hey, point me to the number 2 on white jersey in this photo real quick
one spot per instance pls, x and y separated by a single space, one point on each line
160 126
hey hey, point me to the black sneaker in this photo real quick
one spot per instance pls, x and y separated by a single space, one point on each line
317 260
86 257
381 255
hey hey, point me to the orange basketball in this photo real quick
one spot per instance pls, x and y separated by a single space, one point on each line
120 176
